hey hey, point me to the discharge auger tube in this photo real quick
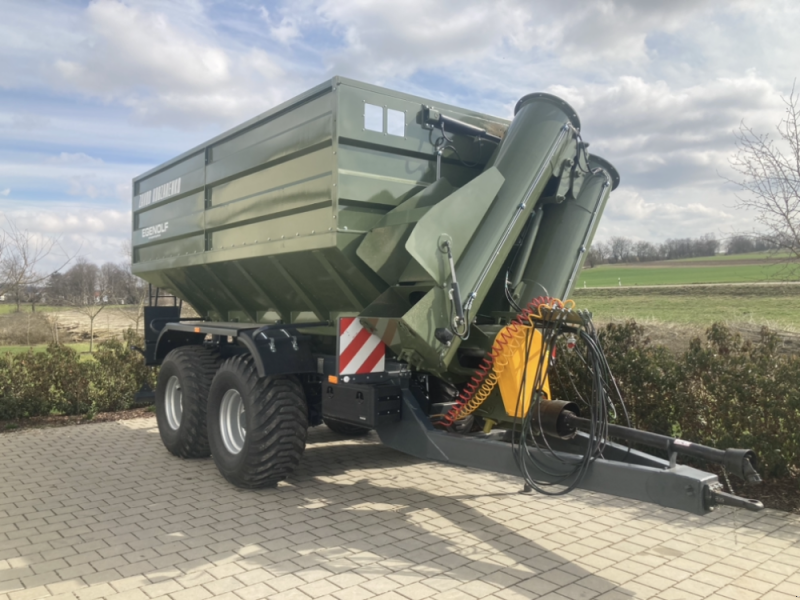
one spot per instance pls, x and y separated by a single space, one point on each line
525 250
558 254
542 133
519 211
601 199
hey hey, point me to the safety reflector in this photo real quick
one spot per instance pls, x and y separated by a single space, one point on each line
360 352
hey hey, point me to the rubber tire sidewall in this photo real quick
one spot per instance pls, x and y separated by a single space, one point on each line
227 462
182 442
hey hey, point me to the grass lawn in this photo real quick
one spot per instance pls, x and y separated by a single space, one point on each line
6 308
777 306
663 274
81 348
749 256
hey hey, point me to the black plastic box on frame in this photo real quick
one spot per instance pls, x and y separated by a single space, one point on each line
363 405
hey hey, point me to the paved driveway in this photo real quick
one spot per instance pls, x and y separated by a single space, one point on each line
103 511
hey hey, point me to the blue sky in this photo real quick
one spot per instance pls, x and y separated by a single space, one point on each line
95 93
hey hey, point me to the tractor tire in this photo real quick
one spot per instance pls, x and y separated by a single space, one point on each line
345 428
257 426
181 396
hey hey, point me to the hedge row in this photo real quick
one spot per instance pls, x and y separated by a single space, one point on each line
723 391
58 382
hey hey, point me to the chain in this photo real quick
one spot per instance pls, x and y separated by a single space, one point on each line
728 482
735 510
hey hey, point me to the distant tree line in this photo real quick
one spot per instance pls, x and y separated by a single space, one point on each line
86 283
742 244
625 250
25 280
89 288
83 284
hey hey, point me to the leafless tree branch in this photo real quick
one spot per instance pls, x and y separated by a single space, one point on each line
770 177
21 256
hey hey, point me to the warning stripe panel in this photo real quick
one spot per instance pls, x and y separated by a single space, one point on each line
360 351
349 327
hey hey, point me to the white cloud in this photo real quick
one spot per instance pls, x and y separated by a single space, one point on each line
83 185
286 31
169 71
100 92
663 136
5 192
99 235
672 215
129 47
74 158
78 175
379 44
607 31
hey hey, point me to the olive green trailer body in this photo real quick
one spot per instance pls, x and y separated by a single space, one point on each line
263 222
375 260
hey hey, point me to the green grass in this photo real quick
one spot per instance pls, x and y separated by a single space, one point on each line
7 308
723 258
776 306
663 274
82 347
749 256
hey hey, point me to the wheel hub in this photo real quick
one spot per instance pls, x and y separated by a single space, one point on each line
174 402
232 421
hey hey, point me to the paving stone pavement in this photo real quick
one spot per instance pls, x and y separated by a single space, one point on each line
103 511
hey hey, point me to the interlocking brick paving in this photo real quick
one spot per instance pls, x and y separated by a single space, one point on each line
104 511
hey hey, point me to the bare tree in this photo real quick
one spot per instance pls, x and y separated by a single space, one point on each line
645 251
117 280
597 255
20 260
620 249
84 288
743 243
770 171
2 252
128 290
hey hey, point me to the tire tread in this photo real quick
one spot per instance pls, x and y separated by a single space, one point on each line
278 429
198 364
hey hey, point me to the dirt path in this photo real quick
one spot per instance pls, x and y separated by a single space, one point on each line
695 285
73 326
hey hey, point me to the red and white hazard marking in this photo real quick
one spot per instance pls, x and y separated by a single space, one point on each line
360 351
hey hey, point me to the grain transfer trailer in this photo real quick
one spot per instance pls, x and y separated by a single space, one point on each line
373 260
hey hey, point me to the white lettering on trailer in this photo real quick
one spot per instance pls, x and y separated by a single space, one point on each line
160 193
155 231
